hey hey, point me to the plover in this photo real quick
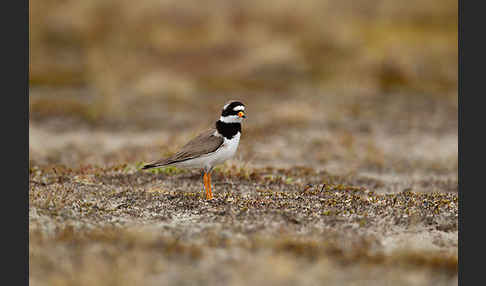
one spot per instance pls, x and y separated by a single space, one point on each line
210 148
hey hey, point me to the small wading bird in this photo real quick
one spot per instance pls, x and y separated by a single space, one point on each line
211 147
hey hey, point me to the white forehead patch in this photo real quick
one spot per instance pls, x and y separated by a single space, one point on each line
239 107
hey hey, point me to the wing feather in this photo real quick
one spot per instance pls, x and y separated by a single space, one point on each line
202 144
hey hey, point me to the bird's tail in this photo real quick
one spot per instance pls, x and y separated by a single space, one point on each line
156 164
149 166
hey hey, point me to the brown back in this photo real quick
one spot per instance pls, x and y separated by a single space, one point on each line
204 143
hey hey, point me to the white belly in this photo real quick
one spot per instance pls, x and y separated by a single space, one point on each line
226 151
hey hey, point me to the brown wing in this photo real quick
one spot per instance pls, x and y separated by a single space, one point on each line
204 143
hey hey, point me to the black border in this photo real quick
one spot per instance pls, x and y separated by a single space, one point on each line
471 186
459 143
15 98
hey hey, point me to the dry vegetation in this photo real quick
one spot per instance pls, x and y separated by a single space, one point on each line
123 227
347 169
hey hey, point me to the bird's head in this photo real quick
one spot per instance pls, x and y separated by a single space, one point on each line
233 112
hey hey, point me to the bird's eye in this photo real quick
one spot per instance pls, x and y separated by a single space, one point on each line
241 114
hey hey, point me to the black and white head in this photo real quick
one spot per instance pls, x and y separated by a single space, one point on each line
233 112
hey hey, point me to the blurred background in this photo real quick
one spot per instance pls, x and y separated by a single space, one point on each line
358 95
366 86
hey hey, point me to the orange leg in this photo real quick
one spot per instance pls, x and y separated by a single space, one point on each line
209 185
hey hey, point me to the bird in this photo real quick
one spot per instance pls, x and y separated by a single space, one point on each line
210 148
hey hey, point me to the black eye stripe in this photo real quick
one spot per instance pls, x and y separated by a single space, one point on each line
230 112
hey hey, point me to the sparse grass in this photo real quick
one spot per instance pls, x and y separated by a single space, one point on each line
300 216
169 170
89 235
107 215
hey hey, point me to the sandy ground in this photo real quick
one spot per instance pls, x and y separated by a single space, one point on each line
326 188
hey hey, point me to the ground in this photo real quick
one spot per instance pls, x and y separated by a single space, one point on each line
315 195
346 173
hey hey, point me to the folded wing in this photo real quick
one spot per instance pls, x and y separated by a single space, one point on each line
204 143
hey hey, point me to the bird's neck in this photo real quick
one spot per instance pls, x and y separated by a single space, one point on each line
228 130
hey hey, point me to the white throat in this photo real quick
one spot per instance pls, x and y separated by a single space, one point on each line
231 119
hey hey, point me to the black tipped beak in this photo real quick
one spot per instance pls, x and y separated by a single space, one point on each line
241 114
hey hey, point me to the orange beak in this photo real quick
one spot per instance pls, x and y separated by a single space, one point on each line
241 114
